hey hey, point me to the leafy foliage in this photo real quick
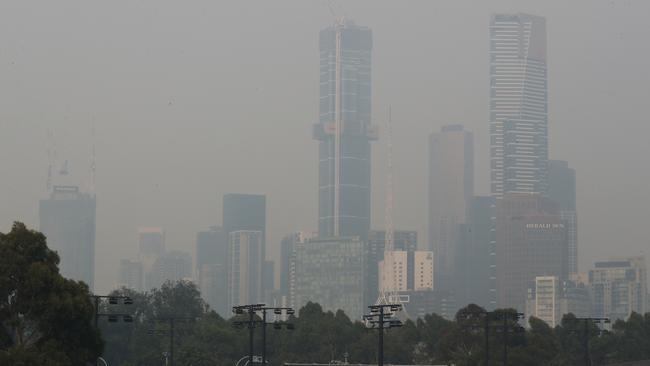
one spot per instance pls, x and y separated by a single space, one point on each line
44 317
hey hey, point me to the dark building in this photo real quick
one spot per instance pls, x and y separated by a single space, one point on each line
475 280
404 240
451 187
211 263
562 190
67 218
344 131
531 241
422 303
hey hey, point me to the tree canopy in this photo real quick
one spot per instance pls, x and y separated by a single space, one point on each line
45 318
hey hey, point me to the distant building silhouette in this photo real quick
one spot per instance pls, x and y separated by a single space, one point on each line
531 241
172 266
518 104
131 275
67 218
562 190
329 271
344 131
245 267
151 246
211 268
451 187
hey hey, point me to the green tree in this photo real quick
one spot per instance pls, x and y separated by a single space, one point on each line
46 319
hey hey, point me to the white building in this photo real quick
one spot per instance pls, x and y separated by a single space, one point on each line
245 268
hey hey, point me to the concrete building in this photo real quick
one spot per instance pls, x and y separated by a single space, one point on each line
245 268
329 271
287 261
562 190
619 287
403 240
211 264
550 299
67 219
344 131
151 247
518 104
451 187
531 241
131 275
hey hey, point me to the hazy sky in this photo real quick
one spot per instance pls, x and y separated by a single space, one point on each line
194 99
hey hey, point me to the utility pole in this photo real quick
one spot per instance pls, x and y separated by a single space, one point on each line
380 318
251 323
171 321
112 317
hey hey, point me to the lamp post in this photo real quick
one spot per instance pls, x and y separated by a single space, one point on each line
171 321
251 323
112 317
587 332
380 318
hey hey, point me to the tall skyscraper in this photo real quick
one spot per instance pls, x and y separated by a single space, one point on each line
518 104
451 187
531 241
329 271
619 287
562 190
344 131
211 264
67 218
151 246
245 268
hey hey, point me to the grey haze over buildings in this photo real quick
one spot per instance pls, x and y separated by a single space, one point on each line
190 101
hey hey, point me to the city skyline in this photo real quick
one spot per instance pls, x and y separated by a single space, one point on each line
155 195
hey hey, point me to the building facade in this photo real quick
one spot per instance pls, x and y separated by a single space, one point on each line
211 264
67 219
562 190
518 104
550 298
245 268
619 287
403 240
344 131
172 266
531 241
451 187
329 271
131 275
151 247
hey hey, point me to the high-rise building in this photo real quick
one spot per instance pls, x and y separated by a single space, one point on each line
562 190
550 299
518 104
451 187
287 253
211 264
151 246
403 240
67 218
619 287
344 131
245 212
329 271
531 241
172 266
245 267
475 279
131 275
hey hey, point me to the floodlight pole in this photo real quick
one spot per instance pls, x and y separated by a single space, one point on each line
380 355
380 319
585 337
251 327
96 299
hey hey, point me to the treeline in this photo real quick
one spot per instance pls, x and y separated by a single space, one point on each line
205 338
